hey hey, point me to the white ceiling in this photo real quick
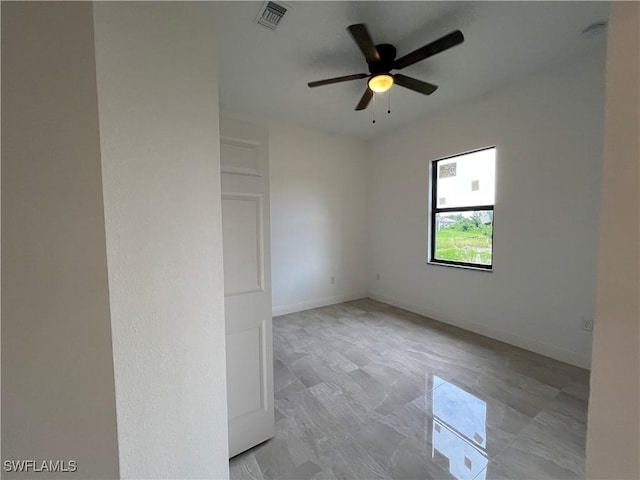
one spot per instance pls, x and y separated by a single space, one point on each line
264 73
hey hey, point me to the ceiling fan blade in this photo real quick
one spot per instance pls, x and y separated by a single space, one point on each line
346 78
414 84
361 35
366 98
440 45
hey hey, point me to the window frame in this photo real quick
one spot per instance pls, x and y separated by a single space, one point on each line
435 210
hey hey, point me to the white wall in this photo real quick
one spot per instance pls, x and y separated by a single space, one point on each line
58 400
548 132
613 432
158 106
318 218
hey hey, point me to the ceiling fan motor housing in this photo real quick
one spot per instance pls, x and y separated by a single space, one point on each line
387 55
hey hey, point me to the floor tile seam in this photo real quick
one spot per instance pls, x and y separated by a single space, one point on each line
550 411
502 373
407 402
452 379
569 444
515 437
551 408
354 441
484 469
494 458
573 397
483 396
503 465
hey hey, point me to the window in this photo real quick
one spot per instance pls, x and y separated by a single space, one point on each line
462 190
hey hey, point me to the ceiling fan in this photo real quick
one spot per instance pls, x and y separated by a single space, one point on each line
381 59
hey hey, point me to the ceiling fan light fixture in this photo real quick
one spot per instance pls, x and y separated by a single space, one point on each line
381 83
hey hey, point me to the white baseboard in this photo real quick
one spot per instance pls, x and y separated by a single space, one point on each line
566 356
320 302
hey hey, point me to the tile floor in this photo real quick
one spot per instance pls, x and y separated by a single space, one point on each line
365 390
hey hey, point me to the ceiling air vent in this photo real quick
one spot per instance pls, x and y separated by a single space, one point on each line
271 14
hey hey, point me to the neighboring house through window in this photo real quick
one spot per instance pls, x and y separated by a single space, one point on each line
462 201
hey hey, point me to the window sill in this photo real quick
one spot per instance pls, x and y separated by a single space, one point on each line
465 267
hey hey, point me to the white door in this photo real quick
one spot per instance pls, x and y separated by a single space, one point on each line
244 158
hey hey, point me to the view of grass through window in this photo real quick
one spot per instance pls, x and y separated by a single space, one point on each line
465 237
463 191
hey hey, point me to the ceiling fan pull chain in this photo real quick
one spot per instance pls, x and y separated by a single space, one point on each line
389 98
373 110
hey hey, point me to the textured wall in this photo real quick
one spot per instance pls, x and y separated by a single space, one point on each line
58 398
158 104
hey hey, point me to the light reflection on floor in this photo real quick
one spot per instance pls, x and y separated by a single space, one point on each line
364 390
459 430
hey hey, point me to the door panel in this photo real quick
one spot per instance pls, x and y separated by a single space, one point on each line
245 361
247 270
241 157
242 235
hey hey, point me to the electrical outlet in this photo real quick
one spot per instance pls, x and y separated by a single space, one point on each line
587 324
377 276
332 280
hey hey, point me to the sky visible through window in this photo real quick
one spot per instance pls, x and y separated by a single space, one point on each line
467 180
